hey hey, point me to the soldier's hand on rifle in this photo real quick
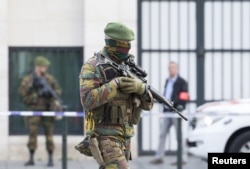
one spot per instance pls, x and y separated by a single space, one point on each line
130 85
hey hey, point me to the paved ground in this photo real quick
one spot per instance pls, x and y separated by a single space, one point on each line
138 163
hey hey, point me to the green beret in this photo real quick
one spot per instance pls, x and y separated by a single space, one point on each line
42 61
119 31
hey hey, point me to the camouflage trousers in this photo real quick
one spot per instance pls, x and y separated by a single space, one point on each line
113 152
48 125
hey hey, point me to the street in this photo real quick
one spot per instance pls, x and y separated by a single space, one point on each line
142 162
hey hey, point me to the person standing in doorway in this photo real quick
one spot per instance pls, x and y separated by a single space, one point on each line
36 91
176 90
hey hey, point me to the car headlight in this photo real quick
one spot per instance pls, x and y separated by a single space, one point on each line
207 121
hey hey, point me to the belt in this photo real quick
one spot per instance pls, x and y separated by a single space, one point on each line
109 126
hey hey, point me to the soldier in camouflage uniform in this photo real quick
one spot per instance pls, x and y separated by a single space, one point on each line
112 103
40 101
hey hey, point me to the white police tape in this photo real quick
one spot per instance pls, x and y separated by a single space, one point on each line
82 114
75 114
191 115
39 113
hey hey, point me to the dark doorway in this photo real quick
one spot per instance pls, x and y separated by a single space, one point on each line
65 66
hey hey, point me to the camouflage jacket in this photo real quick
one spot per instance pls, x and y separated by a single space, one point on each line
30 96
96 90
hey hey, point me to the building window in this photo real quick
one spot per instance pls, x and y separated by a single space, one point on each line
65 66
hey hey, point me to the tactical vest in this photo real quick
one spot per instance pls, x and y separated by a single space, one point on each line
120 111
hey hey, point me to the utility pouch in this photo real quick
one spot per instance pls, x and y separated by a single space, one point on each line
118 112
95 151
83 147
111 150
136 115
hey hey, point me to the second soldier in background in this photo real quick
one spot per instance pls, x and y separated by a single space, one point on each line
37 97
112 103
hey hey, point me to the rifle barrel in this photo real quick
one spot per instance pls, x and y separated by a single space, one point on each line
161 99
126 72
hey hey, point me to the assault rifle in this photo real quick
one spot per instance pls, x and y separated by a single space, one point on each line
130 69
44 89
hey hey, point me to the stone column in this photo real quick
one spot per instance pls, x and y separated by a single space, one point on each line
4 122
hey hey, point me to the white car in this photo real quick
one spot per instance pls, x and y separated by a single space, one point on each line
220 127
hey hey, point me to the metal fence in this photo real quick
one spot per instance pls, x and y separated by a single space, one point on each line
210 40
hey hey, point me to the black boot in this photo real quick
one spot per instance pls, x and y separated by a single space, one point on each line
31 160
50 162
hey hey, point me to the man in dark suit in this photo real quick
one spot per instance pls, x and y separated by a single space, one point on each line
176 90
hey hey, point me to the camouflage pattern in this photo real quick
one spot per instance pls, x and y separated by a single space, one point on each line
48 125
113 153
30 97
83 147
96 92
92 94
